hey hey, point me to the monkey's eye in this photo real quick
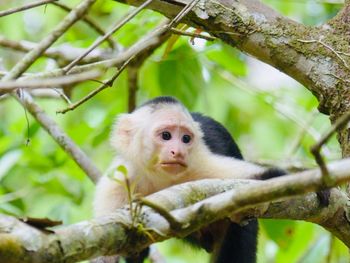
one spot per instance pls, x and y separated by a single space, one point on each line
186 138
166 136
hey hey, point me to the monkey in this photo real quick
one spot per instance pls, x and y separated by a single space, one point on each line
162 144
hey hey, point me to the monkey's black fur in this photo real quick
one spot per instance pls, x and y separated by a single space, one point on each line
216 137
139 258
161 100
239 243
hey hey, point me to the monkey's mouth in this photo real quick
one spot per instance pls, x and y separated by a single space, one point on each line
174 163
173 167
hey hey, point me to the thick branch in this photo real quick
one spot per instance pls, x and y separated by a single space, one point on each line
318 57
113 234
261 32
341 21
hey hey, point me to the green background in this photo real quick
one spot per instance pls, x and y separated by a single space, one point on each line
273 119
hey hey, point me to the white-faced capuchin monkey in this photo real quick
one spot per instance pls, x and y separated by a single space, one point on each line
162 144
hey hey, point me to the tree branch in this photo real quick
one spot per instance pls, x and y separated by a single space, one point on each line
191 34
9 86
25 7
60 136
256 29
64 52
44 44
133 76
114 29
113 234
148 42
106 84
252 27
144 48
89 22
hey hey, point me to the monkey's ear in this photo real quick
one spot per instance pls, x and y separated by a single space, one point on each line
122 132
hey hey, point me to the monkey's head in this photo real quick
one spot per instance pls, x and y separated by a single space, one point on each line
160 135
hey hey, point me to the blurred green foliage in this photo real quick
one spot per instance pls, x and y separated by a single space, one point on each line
268 122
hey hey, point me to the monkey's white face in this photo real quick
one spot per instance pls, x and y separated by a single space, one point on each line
173 138
161 139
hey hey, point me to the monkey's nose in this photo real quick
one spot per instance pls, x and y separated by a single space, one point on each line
177 154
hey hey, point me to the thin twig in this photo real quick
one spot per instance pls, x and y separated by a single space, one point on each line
315 149
154 38
9 86
27 122
337 53
141 48
90 22
46 122
60 136
63 52
173 222
337 77
106 84
98 41
344 53
191 34
304 127
76 14
226 75
182 13
25 7
133 71
62 95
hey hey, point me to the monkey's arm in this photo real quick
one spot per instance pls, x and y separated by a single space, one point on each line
111 191
217 166
109 195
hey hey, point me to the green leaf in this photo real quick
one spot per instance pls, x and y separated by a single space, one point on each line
181 75
123 170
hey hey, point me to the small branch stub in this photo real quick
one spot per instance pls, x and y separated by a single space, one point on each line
316 149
